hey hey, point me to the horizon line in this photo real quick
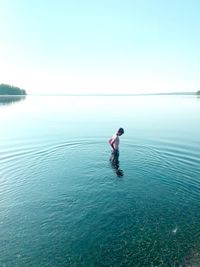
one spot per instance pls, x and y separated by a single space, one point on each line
113 94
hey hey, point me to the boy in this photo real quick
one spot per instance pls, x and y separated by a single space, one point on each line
114 141
114 159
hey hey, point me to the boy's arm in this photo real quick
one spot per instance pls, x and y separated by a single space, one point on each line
111 142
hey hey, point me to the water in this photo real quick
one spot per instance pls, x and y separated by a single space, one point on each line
61 202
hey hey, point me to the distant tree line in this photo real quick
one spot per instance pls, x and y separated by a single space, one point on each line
198 92
6 89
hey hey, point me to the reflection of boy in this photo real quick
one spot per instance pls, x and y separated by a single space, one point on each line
114 141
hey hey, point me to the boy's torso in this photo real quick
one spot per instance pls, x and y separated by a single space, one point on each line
115 138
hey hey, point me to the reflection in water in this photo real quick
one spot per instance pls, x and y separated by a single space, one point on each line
114 160
11 99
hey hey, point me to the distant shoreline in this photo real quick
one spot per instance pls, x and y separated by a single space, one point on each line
10 90
145 94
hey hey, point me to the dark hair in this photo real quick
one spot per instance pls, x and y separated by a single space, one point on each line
121 130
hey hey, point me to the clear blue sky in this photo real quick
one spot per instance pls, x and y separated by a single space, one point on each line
104 46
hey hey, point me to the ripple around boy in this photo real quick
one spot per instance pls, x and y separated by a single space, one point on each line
114 142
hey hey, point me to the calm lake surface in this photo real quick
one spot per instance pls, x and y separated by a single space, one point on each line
61 201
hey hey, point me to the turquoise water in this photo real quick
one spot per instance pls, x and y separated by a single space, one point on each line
61 202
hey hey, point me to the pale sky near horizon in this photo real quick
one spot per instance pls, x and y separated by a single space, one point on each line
107 46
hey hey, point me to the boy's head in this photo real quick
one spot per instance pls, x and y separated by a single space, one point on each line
120 131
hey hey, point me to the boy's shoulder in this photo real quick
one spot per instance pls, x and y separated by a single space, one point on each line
114 136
